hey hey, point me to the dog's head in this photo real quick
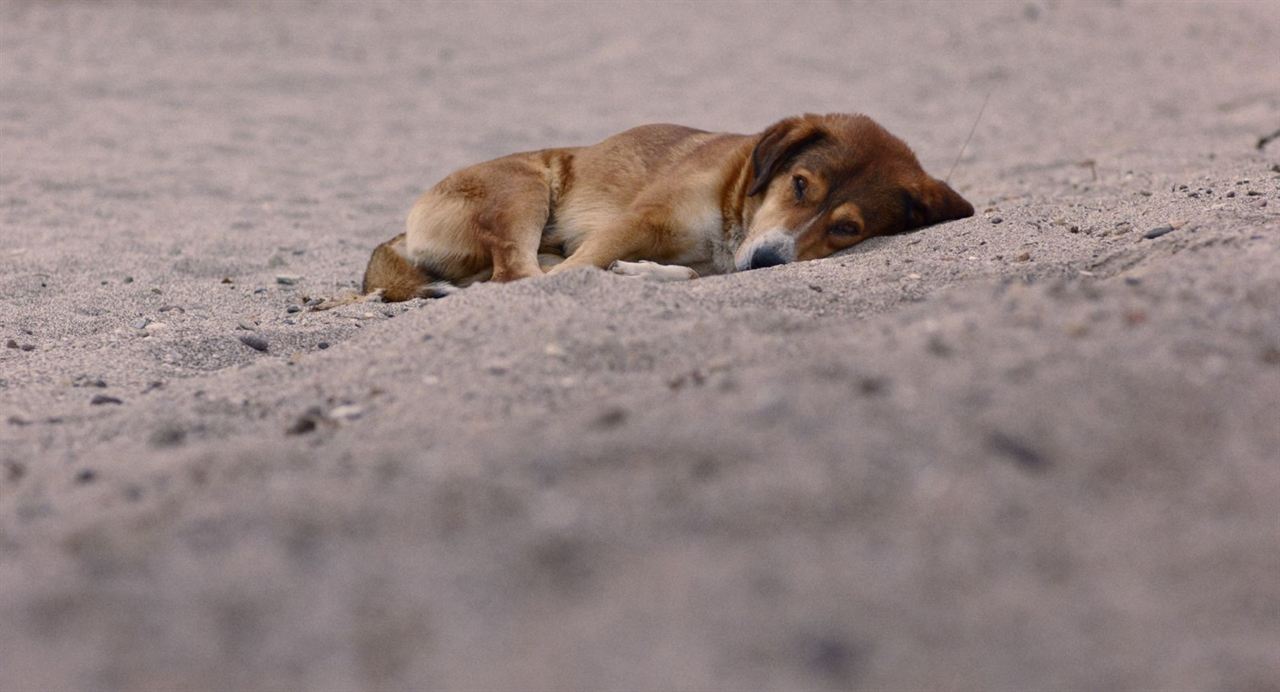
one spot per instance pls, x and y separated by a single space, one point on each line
826 182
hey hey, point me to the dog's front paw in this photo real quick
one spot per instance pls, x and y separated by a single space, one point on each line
653 271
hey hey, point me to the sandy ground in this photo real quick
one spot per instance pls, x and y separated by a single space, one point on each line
1031 450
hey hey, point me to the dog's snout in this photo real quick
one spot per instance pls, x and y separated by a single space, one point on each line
766 257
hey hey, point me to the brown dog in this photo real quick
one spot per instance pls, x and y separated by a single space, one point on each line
710 203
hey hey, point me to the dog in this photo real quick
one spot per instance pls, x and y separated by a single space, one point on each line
664 202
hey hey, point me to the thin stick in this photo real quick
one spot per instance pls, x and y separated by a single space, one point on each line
966 139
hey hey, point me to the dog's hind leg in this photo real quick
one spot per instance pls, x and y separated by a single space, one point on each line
508 203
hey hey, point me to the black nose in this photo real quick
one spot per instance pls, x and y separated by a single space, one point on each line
766 257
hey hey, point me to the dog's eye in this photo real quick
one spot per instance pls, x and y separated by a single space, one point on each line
845 229
799 184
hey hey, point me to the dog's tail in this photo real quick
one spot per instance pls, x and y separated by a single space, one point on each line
393 276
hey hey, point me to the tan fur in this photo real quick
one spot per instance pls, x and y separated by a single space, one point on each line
667 194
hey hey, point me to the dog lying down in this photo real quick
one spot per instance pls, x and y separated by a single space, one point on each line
664 202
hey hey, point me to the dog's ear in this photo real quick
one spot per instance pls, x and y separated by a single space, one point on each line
940 203
778 145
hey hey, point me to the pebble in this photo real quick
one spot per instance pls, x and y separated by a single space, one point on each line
128 279
168 436
312 302
11 344
28 347
322 345
1024 257
288 279
1158 231
140 323
1017 451
611 418
305 423
246 326
85 476
292 309
253 341
100 399
346 412
14 471
996 220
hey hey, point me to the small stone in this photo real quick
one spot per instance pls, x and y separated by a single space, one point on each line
996 220
292 309
253 341
11 344
1158 231
1231 193
312 302
168 436
815 288
1023 257
100 399
611 418
14 471
872 386
497 369
1132 280
1253 193
140 323
227 280
346 412
246 326
28 347
259 291
86 476
305 423
322 345
156 290
172 308
128 279
1073 229
937 346
1017 451
288 279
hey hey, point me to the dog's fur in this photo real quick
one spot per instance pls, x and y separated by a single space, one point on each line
804 188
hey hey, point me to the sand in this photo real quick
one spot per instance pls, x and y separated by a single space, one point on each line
1033 449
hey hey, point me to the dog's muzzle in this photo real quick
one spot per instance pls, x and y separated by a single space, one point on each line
769 250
